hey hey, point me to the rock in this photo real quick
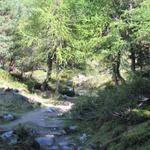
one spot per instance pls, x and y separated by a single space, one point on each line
60 115
50 110
9 137
45 142
83 137
69 83
67 91
3 130
66 148
145 101
65 97
8 117
71 129
54 148
80 148
14 91
65 142
59 133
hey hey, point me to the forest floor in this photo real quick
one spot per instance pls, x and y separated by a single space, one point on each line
49 125
40 116
74 123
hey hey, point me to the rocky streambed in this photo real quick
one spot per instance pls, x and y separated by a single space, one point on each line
45 131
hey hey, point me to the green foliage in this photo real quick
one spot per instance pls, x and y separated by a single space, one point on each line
113 99
138 135
7 23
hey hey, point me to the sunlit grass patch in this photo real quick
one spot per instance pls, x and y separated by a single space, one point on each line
6 80
39 75
142 112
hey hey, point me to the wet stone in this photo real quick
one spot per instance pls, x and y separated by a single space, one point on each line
45 141
71 129
9 137
66 148
50 110
8 117
80 148
54 148
64 143
83 137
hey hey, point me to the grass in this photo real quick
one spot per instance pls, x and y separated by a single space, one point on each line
96 108
10 103
142 112
7 80
130 130
15 105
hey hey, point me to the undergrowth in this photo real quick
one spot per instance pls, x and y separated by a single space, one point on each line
117 118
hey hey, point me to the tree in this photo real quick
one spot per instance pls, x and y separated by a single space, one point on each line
49 28
7 24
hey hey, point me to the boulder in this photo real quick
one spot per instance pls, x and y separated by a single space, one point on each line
8 117
83 137
80 148
54 148
9 137
50 110
68 91
65 142
71 129
3 130
66 148
69 83
46 141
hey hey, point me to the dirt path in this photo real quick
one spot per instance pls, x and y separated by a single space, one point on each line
40 116
49 123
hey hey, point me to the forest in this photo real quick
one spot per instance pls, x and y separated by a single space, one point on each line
74 74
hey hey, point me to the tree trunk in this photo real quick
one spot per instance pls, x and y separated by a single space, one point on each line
49 67
133 58
118 79
57 78
12 65
49 71
22 71
2 63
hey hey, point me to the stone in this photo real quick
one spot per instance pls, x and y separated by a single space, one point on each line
58 133
80 148
54 148
67 91
9 137
50 110
3 130
14 91
69 83
45 141
71 129
83 137
8 117
65 141
66 148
